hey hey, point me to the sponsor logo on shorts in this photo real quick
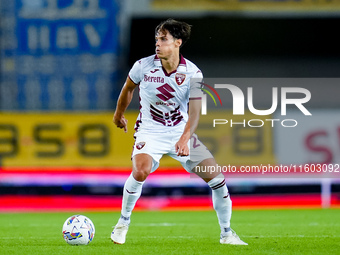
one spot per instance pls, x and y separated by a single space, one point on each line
179 77
140 145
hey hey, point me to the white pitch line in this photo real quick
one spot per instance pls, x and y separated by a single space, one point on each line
177 237
163 224
245 236
294 236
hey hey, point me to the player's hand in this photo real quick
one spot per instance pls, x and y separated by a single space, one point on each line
120 122
182 148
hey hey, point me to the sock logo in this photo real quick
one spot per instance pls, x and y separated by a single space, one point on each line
227 229
124 218
130 192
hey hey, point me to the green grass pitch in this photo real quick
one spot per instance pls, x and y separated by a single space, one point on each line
266 231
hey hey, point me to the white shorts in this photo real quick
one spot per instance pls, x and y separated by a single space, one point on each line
158 144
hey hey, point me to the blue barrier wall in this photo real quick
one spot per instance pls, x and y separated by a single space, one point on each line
59 54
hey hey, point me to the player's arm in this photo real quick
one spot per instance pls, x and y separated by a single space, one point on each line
181 146
123 102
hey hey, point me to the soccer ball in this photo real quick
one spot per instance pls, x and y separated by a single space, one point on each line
78 230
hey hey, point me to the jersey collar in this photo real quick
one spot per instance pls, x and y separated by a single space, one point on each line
182 67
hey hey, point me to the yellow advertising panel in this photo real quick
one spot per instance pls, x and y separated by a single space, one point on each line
63 139
255 5
91 139
66 139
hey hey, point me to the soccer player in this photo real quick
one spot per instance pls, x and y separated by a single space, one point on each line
169 112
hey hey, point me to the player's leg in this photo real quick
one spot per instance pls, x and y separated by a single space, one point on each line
141 168
147 152
201 157
220 194
221 202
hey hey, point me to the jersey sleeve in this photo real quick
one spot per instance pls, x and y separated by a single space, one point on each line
195 86
135 73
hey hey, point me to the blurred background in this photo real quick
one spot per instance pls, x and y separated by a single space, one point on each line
64 62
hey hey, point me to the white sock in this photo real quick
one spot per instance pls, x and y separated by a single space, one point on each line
131 193
221 202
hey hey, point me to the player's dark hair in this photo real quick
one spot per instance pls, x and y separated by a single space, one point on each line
178 29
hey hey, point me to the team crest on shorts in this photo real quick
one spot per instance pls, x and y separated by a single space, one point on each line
140 145
179 77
